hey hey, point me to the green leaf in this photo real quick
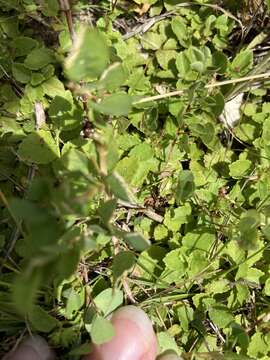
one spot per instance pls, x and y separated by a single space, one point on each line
10 25
68 261
41 320
39 148
240 336
242 293
21 73
138 81
53 87
76 161
185 187
246 132
220 62
216 104
247 226
25 291
83 349
266 131
74 303
185 315
152 40
108 300
221 316
10 125
60 105
118 187
136 167
89 55
240 168
23 45
166 58
37 79
218 287
106 210
250 221
167 342
122 262
48 71
242 63
50 8
259 345
39 58
101 330
249 273
201 239
175 266
126 141
113 77
64 113
205 131
181 31
160 232
136 241
197 261
267 287
193 60
65 41
150 260
198 66
233 356
174 218
116 104
183 66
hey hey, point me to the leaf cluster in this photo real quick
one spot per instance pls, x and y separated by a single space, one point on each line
108 194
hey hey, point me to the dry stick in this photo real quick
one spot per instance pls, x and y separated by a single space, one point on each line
65 7
114 3
141 29
260 68
208 86
87 125
40 115
149 212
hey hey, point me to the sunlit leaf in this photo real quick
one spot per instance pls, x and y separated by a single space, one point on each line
89 55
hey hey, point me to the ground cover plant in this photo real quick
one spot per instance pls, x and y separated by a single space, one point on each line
120 184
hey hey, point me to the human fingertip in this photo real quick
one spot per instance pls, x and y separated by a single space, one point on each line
136 315
33 348
134 337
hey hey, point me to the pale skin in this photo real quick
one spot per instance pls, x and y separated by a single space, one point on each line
134 339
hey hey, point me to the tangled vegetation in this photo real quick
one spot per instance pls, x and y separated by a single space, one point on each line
120 184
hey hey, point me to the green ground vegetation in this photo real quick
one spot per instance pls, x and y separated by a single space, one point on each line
115 189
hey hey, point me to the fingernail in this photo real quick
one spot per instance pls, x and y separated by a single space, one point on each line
144 325
137 316
134 338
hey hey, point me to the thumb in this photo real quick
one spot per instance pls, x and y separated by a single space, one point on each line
134 338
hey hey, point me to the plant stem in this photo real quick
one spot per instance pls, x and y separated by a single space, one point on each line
208 86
